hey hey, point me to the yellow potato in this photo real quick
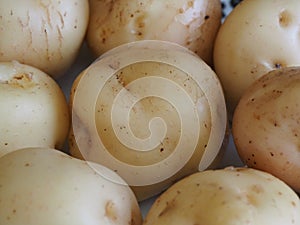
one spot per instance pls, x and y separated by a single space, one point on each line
231 196
256 37
190 23
266 125
153 111
33 109
44 34
45 186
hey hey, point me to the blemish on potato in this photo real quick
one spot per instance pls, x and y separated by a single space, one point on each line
285 19
257 189
252 200
22 80
168 207
256 116
277 65
110 211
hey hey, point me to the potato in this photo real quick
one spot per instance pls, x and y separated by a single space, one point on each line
151 110
231 196
256 37
33 109
44 34
190 23
266 125
46 186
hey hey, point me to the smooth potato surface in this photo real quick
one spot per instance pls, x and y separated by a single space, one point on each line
33 109
256 37
231 196
45 186
266 127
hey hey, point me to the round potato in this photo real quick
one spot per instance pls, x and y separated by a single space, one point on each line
44 34
151 110
190 23
256 37
33 109
266 122
231 196
46 186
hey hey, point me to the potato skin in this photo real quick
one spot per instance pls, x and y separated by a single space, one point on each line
33 109
256 37
193 24
193 114
44 34
230 196
266 127
46 186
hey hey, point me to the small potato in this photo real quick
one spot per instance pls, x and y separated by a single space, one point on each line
231 196
257 37
151 110
44 34
266 125
33 109
190 23
44 187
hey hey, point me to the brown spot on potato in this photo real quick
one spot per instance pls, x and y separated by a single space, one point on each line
190 3
285 19
110 211
21 80
257 189
251 199
168 207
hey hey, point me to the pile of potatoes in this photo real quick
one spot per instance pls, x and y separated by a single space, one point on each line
109 106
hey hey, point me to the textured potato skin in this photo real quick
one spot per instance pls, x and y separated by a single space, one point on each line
193 24
266 127
44 34
231 196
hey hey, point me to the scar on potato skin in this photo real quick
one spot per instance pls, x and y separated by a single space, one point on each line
169 205
285 19
110 211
